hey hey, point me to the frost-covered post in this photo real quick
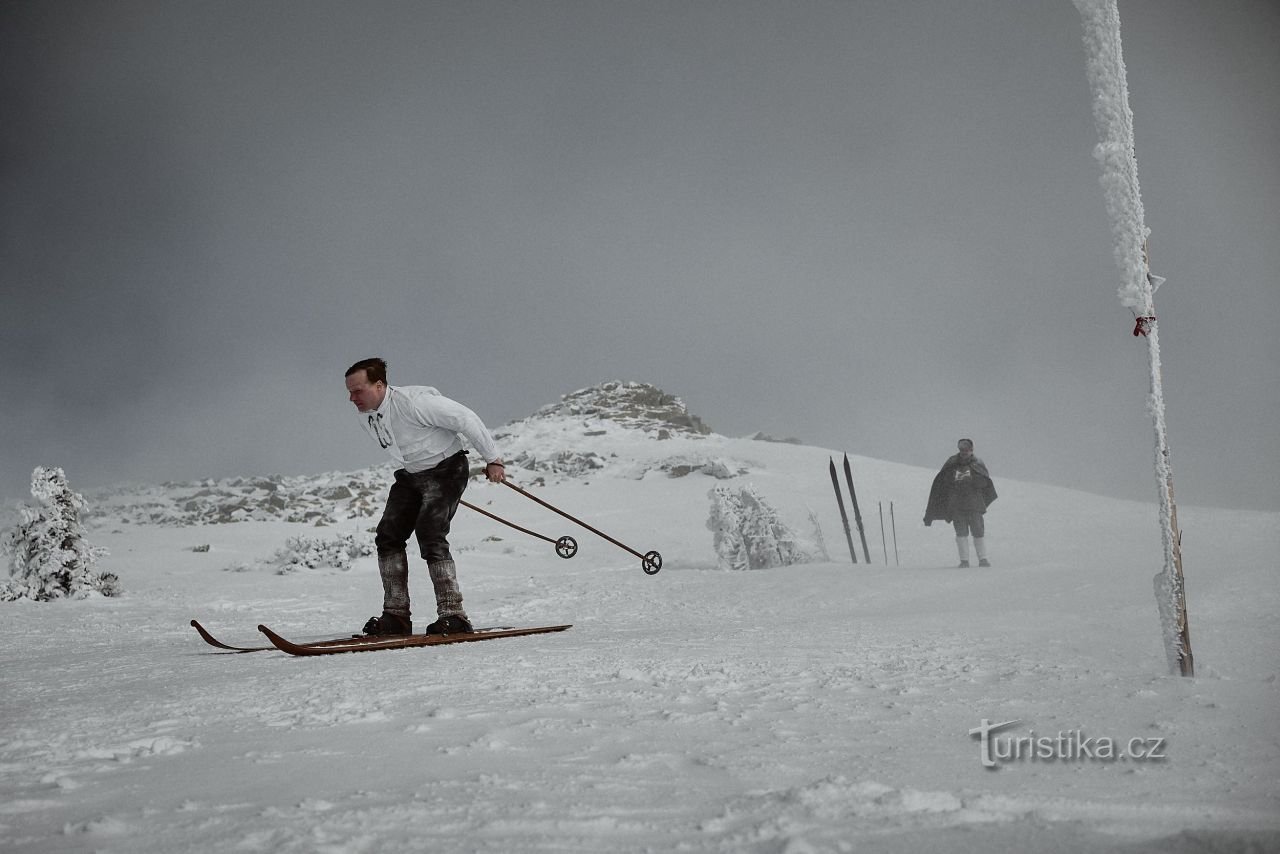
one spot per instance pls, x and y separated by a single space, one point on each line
1116 154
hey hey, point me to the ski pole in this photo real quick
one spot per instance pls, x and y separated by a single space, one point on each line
650 562
857 514
844 517
894 524
566 546
883 544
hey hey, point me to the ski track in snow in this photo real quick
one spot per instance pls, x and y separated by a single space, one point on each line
821 707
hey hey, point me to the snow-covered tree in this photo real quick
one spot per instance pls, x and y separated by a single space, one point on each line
748 532
49 557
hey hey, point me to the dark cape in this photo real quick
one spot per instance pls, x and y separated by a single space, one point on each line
939 506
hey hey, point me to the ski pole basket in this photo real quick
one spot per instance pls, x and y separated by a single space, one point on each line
650 562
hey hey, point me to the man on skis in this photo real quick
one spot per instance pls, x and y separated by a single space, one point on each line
960 494
422 430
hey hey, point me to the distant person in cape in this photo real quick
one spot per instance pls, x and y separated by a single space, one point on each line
422 430
961 493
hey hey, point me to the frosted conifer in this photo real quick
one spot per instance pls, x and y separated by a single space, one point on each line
49 557
749 534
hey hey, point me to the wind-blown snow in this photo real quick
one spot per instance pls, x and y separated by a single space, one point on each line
819 707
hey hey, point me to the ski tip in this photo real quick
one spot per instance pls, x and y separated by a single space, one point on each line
276 640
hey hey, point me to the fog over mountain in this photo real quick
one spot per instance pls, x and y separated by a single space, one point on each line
872 226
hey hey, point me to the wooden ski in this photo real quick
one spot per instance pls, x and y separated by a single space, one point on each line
844 517
212 641
857 514
373 643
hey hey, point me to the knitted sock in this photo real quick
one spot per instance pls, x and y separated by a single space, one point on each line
394 569
980 546
448 596
962 545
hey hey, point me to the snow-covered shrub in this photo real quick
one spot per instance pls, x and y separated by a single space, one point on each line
49 557
748 532
311 552
819 541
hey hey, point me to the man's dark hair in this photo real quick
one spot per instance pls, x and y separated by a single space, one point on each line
375 369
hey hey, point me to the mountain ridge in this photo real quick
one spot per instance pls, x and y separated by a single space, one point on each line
574 438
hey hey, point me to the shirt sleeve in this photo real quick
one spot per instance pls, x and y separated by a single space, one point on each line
436 410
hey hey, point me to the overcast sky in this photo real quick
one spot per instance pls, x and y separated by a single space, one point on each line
874 226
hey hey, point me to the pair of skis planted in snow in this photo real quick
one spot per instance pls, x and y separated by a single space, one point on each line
370 643
566 546
857 514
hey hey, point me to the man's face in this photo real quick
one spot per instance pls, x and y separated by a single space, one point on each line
365 395
966 451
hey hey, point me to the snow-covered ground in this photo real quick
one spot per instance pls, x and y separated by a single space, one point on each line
817 707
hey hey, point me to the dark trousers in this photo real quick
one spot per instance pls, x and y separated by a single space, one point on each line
423 503
967 521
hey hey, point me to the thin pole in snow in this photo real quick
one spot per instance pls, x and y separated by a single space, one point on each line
1170 586
894 525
